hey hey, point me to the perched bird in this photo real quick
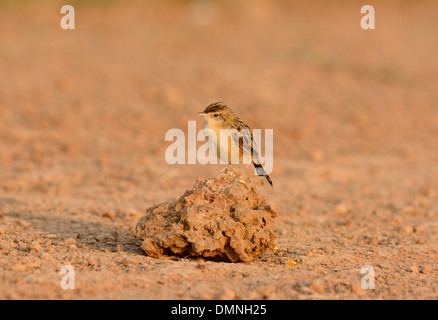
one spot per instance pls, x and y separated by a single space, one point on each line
241 145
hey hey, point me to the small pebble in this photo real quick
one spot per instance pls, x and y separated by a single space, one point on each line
426 270
126 261
413 269
69 241
407 229
34 247
340 208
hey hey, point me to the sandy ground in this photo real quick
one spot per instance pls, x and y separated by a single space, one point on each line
83 115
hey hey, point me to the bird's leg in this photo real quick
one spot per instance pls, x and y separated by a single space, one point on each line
223 169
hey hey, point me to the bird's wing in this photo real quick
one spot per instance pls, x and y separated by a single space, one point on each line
242 136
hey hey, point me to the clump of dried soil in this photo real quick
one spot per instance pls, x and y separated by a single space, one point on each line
222 218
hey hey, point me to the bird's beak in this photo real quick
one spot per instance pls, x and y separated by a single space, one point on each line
202 113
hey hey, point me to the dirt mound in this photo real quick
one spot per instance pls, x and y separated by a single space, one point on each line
222 217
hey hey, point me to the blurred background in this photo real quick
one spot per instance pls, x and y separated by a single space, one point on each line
97 100
111 88
84 112
104 94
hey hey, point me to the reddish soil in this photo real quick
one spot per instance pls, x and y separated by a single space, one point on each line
83 115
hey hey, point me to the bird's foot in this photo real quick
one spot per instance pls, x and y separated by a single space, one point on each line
222 170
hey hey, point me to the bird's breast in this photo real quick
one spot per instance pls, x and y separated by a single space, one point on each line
224 146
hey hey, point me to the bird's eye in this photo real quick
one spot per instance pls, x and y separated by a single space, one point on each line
215 115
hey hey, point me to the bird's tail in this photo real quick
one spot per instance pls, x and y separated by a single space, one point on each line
261 171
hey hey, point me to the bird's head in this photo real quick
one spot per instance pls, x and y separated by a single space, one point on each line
217 113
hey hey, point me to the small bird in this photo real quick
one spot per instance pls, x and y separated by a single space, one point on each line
217 117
